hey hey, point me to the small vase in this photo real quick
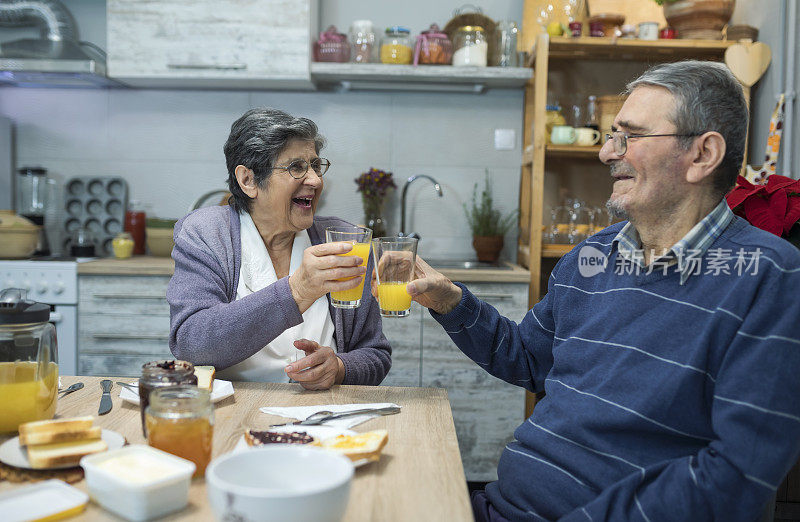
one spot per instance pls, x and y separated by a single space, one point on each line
487 247
373 218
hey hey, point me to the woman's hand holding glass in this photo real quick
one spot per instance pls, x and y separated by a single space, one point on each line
321 271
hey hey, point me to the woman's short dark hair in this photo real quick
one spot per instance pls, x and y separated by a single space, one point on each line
256 140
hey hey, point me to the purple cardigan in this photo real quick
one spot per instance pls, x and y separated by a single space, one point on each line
208 326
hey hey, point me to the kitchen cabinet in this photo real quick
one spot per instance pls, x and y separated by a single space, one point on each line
123 322
405 337
211 43
486 410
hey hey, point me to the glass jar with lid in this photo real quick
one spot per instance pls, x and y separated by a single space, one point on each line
28 361
180 420
162 374
396 46
332 46
471 47
362 38
433 47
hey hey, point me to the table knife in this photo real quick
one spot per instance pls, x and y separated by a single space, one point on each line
105 400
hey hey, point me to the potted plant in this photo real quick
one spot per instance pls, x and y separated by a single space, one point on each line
488 225
374 186
699 19
773 206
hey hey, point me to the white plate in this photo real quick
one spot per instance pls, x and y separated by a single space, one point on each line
222 390
12 454
318 432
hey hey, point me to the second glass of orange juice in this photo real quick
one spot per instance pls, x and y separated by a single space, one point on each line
359 237
395 258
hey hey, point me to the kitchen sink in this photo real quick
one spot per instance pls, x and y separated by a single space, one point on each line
466 265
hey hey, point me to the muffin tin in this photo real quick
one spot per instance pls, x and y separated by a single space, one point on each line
97 204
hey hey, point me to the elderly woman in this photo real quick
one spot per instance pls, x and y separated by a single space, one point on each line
249 293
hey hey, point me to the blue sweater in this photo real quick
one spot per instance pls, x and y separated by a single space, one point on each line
663 401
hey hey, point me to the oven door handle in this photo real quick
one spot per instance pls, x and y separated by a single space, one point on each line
56 317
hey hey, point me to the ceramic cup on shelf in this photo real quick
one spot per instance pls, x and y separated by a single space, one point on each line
648 31
586 137
562 135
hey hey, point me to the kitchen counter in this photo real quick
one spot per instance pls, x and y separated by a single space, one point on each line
149 265
419 475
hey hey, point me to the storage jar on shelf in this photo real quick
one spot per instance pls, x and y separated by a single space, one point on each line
471 48
433 47
396 46
362 38
332 46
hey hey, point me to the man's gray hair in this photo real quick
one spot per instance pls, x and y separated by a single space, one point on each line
708 98
256 140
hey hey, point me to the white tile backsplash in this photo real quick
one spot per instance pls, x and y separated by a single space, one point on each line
167 144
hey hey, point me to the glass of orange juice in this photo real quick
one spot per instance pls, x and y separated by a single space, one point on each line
359 237
395 258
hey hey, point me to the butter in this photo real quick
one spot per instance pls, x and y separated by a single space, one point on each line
138 468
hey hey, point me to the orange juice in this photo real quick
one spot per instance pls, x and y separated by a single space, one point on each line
26 396
393 297
354 294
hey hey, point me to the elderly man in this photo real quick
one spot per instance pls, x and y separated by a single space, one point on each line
668 345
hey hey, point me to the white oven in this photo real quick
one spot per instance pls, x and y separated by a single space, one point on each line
54 283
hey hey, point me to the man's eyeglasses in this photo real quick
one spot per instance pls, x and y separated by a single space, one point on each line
621 139
298 168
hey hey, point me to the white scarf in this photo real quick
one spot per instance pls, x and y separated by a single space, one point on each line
256 273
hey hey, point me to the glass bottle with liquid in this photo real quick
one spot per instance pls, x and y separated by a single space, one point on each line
135 225
591 114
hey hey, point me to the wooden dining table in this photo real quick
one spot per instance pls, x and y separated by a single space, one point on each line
418 477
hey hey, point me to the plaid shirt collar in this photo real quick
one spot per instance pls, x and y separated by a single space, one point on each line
695 243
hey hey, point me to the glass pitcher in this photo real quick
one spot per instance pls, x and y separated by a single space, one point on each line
28 361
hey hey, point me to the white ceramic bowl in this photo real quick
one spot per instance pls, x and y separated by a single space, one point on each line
280 482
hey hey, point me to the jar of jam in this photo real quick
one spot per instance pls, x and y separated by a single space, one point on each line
180 420
396 46
332 46
134 225
433 47
162 374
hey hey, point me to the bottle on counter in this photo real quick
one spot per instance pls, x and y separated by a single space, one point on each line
396 46
433 47
471 48
180 420
362 38
135 225
332 46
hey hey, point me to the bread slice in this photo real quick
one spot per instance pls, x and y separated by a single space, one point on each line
357 447
54 426
62 453
64 435
205 376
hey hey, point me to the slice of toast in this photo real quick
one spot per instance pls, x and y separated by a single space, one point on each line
205 377
62 453
357 447
55 426
62 435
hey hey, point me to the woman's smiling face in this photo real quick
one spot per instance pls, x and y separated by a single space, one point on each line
286 204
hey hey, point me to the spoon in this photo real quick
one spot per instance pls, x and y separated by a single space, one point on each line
325 415
128 385
75 387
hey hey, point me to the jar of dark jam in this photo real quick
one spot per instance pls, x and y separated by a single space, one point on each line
160 374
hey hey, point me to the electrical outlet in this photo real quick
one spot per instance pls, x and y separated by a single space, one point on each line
504 139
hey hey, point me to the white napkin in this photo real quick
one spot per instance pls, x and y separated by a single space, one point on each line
304 412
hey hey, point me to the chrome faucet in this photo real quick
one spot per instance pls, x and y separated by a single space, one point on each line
202 199
409 181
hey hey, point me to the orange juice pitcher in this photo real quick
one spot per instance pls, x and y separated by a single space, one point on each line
28 361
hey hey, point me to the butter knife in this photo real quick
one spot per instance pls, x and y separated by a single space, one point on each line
105 400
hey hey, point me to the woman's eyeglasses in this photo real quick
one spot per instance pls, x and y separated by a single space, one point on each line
298 168
621 139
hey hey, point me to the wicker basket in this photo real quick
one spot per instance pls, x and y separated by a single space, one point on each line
462 18
607 109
